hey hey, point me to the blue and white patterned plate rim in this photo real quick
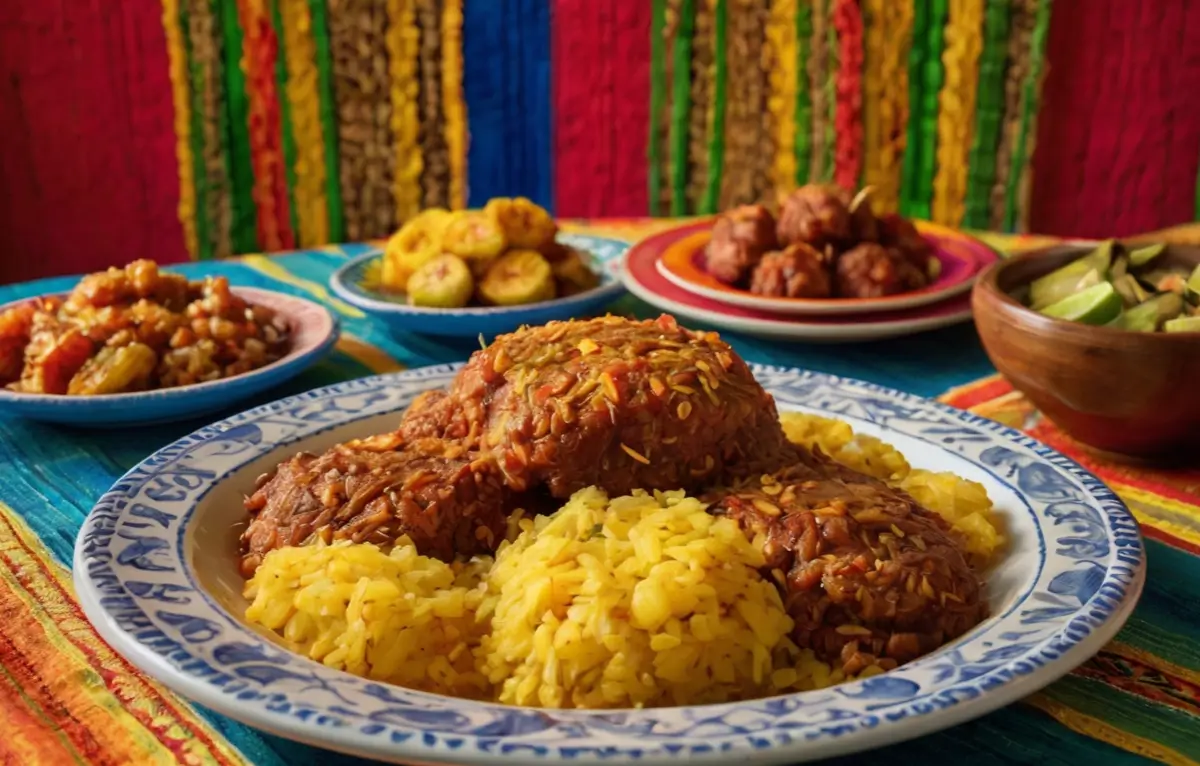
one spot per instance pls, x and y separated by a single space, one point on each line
606 251
318 338
138 588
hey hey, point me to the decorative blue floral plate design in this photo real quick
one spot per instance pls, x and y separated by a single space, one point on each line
156 571
314 333
607 254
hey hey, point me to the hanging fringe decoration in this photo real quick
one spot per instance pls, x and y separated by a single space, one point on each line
302 92
847 20
964 33
403 44
365 146
781 101
453 106
177 55
435 189
989 113
1016 202
818 74
1019 35
701 106
716 116
804 108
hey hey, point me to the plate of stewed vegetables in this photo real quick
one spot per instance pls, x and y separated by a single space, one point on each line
140 344
490 270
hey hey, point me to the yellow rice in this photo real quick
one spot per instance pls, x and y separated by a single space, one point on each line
643 600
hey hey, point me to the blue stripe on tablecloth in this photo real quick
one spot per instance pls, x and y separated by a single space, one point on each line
506 84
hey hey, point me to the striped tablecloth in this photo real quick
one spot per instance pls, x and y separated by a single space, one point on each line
66 697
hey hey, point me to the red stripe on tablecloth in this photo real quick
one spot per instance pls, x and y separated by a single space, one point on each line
601 68
979 392
1180 485
123 681
1117 152
1154 533
88 176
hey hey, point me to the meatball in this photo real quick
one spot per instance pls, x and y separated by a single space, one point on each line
740 238
796 272
448 501
617 403
825 216
900 234
871 270
868 575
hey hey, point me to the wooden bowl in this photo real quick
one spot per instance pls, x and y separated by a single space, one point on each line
1127 394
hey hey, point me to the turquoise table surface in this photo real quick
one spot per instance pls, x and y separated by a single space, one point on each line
52 474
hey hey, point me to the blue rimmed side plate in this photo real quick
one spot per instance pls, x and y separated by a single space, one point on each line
607 254
314 332
156 569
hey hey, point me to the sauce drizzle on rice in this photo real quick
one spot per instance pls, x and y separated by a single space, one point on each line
638 600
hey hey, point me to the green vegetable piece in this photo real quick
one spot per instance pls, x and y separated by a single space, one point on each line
1182 324
1065 280
1131 292
1143 255
1096 305
1191 291
444 282
1119 269
1149 316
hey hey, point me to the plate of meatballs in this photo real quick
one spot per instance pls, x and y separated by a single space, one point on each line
607 539
825 252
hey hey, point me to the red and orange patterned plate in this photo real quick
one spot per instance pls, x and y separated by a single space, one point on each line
644 277
681 262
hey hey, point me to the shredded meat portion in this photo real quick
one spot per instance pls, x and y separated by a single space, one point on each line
446 500
868 575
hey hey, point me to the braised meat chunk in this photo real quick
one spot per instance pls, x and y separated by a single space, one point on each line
446 500
796 272
900 235
869 576
614 403
825 216
872 271
740 238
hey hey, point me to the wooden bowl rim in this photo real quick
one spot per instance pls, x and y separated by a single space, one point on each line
1012 309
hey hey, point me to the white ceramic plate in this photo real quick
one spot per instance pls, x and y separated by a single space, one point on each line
156 572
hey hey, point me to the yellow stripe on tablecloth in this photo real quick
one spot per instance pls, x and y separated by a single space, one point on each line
1176 518
1088 726
177 55
372 357
1152 660
97 695
272 269
454 108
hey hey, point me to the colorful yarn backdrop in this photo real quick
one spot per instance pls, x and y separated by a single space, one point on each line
273 124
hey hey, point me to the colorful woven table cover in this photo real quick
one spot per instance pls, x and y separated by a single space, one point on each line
68 698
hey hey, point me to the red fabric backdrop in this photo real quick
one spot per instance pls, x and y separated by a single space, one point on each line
88 174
